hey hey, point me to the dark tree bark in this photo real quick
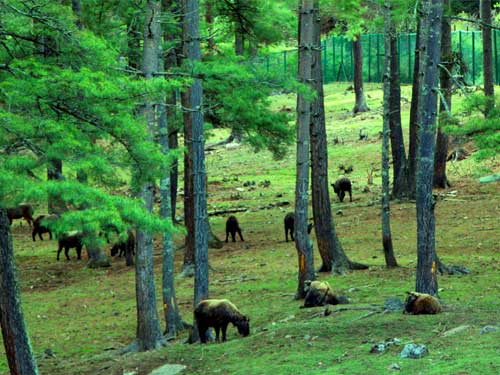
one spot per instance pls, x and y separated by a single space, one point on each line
489 88
209 20
239 40
55 173
329 246
359 92
17 344
97 256
196 148
400 187
76 7
390 259
149 334
431 49
415 94
303 243
440 179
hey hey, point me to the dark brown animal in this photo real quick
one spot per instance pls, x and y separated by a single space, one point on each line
233 227
342 185
421 303
320 293
23 210
122 247
68 241
289 223
42 225
218 313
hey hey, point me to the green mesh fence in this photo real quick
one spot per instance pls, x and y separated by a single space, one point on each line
338 64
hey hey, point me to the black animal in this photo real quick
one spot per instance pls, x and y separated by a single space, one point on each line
290 225
68 241
233 227
123 247
218 313
22 210
41 225
342 185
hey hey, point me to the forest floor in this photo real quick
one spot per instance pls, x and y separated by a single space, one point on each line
79 319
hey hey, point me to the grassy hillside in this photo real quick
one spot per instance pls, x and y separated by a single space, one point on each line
84 316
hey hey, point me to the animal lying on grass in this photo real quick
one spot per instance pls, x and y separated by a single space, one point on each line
421 303
218 313
320 293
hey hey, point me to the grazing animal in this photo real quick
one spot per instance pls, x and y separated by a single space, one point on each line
41 225
342 185
232 226
22 210
421 303
122 247
290 225
320 293
68 241
218 313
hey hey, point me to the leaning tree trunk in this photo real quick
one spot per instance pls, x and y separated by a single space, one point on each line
149 334
360 105
390 259
489 89
431 48
400 188
195 94
331 251
17 344
302 241
415 94
440 179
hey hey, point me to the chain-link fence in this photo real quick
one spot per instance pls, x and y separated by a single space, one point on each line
338 60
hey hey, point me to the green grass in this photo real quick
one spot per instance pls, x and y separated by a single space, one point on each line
84 316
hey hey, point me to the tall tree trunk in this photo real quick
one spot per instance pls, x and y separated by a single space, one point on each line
239 40
196 149
489 89
302 241
76 7
415 95
17 344
400 187
97 256
149 334
390 259
209 20
431 49
359 92
55 172
440 179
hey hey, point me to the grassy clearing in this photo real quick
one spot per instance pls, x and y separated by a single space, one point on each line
84 315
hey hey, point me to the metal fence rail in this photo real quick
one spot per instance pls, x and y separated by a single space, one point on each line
338 64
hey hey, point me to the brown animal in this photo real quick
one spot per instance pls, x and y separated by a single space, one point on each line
41 225
68 241
23 210
320 293
342 185
421 303
218 313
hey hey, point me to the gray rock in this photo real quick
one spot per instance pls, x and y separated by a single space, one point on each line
414 351
168 370
489 329
383 345
394 366
394 304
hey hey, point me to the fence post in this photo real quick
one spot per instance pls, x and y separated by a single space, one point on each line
284 62
324 51
369 57
473 58
378 57
497 68
333 58
341 57
267 64
409 57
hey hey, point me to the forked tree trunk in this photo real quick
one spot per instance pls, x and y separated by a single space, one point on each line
359 92
440 179
431 49
303 243
415 94
195 94
17 344
400 187
149 334
489 88
390 259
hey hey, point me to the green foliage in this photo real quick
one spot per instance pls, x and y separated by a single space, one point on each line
484 130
